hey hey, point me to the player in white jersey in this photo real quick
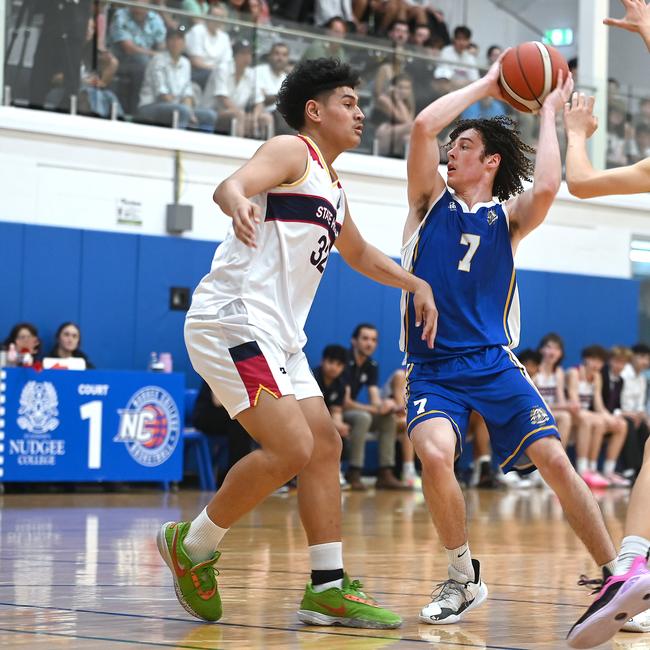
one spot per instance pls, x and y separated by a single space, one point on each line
623 600
244 334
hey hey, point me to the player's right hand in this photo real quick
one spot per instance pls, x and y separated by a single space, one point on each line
426 313
245 218
579 118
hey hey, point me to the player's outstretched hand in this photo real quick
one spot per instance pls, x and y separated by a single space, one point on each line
426 313
636 19
245 218
492 77
559 96
579 118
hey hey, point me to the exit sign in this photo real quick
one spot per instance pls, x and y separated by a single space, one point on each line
558 36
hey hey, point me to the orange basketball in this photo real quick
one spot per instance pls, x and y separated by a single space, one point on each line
529 73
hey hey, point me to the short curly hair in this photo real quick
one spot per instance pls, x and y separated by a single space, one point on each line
501 135
311 79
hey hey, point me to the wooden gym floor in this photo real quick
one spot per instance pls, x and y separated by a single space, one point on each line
82 571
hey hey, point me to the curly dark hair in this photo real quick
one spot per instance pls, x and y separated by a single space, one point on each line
501 135
311 79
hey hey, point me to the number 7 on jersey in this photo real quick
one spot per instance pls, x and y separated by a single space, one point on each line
473 242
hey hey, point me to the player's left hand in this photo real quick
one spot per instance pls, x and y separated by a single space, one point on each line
426 313
636 19
558 97
492 77
579 118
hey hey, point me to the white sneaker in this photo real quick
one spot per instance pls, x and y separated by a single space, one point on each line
342 482
454 597
638 623
512 480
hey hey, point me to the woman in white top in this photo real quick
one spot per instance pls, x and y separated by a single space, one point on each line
593 421
550 382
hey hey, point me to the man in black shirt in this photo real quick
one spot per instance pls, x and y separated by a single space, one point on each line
378 416
329 376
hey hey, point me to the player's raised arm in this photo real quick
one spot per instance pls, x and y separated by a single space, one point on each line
583 180
636 19
280 160
371 262
424 181
528 209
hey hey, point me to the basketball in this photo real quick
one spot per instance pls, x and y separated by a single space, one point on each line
529 73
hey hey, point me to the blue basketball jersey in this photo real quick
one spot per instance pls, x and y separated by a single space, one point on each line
466 257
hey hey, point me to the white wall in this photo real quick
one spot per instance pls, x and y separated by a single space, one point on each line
72 171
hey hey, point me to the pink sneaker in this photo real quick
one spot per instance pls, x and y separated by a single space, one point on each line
616 480
594 479
621 598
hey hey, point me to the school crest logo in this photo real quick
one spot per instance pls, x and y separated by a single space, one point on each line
149 426
452 205
492 216
538 416
38 409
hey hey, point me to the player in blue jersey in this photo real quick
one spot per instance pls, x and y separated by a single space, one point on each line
462 241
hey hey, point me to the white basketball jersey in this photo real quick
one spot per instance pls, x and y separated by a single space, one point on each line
273 286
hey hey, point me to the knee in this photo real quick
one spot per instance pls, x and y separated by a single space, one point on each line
434 459
328 446
360 421
555 465
290 461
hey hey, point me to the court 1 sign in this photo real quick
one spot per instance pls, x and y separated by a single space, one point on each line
66 425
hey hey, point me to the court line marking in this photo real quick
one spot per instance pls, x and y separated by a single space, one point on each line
296 589
106 638
306 630
224 572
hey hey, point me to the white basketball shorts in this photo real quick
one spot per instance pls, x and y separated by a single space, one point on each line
239 361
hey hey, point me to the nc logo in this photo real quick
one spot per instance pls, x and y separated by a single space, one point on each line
133 426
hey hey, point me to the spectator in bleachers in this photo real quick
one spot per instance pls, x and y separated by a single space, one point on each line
330 379
269 77
61 40
378 15
325 10
135 35
434 17
208 45
395 62
395 112
67 343
232 90
593 421
643 116
551 383
642 144
199 8
619 133
170 19
457 64
26 343
633 408
167 89
421 38
212 419
337 28
377 416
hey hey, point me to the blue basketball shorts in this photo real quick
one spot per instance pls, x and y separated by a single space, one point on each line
492 382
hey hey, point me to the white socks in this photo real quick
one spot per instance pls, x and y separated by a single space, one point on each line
408 469
608 467
610 566
582 465
203 538
461 559
631 547
326 557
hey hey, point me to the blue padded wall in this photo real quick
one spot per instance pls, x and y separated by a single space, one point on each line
117 287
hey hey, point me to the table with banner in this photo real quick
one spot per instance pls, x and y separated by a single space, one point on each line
92 425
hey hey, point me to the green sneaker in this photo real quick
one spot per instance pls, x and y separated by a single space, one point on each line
348 606
195 584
